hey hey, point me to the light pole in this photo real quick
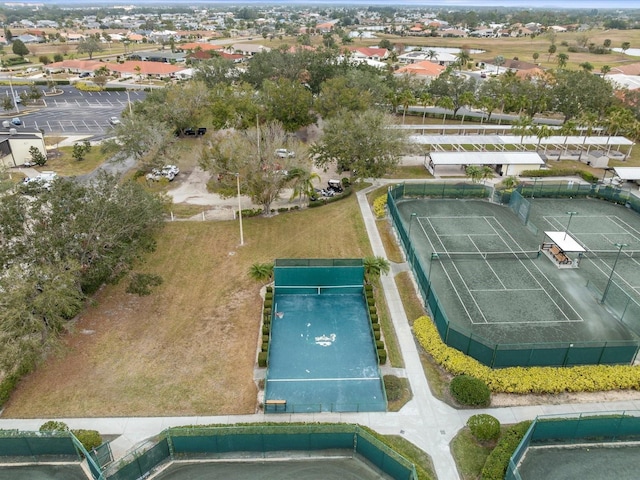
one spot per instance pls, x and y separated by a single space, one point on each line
613 269
434 256
239 209
571 214
129 102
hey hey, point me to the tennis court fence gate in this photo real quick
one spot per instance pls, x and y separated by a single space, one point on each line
583 428
496 355
216 442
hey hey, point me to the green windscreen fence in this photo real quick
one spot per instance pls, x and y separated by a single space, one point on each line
319 273
37 445
600 428
211 442
497 355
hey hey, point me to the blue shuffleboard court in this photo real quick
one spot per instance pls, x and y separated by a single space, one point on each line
322 354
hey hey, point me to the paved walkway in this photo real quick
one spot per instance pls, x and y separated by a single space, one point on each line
425 421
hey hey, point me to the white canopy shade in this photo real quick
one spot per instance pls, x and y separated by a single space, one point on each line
565 241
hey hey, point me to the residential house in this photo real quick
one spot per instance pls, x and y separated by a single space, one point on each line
424 70
370 53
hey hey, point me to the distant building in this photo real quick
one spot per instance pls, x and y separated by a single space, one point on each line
15 145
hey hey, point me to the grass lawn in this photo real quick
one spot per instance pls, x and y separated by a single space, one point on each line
190 347
470 456
61 162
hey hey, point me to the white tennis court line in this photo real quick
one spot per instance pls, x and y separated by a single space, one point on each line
465 234
461 278
488 265
330 379
627 227
507 290
580 319
433 249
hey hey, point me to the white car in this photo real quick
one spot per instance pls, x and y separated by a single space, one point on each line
170 169
284 153
114 121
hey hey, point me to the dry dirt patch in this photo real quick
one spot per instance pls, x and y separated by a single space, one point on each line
190 347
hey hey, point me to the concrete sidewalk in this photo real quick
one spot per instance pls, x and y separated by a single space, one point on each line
425 421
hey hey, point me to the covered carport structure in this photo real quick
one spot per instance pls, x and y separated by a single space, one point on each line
504 163
628 174
556 147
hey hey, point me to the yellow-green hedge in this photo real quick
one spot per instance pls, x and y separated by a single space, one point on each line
85 87
379 205
590 378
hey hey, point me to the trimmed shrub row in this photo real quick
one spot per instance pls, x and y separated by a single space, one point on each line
379 206
561 172
266 327
585 378
495 467
373 315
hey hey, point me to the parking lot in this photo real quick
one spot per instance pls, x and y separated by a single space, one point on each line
73 112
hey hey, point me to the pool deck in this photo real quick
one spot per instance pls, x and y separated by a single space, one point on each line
425 421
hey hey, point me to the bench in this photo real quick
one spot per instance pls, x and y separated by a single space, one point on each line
558 255
276 404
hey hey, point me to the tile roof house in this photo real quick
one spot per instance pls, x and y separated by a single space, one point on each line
424 70
370 53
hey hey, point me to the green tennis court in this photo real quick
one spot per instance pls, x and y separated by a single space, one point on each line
484 265
586 462
316 468
43 472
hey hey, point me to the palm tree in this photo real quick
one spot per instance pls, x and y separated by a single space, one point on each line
562 59
567 129
587 122
374 266
467 99
261 272
542 131
463 58
523 126
625 46
406 98
302 182
604 70
447 104
431 54
487 172
474 173
425 98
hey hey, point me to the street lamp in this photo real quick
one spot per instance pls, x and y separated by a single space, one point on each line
434 256
613 269
239 209
571 214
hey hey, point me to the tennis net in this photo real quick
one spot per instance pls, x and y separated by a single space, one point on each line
517 255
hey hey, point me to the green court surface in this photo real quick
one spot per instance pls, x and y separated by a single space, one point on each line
490 279
307 469
42 472
584 462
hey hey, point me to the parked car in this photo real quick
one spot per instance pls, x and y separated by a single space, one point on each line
170 169
84 75
284 153
16 121
44 181
114 121
202 131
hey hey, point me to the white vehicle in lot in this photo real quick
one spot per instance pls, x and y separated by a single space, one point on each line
168 171
44 180
114 121
284 153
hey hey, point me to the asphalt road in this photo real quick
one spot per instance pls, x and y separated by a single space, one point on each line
73 112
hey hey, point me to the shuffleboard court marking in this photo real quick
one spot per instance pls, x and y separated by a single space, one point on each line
579 318
433 249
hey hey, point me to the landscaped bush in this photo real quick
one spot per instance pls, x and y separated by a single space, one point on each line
394 387
89 439
266 328
265 346
376 334
268 304
265 338
379 344
379 206
372 310
382 357
85 87
471 391
374 318
269 289
561 172
585 378
262 359
376 327
484 427
495 467
54 426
